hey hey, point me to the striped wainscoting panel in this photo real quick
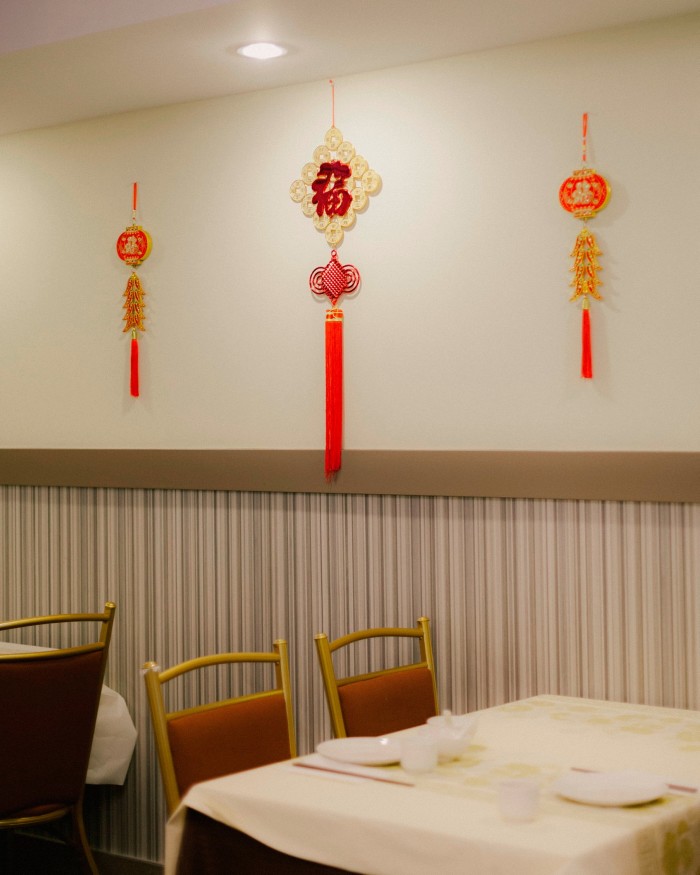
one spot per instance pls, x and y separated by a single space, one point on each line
588 598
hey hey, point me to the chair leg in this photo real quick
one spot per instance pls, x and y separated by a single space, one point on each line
80 840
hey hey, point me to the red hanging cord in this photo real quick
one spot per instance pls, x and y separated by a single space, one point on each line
332 84
585 136
134 383
586 353
334 391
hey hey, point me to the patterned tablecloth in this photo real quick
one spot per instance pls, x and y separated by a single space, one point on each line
449 822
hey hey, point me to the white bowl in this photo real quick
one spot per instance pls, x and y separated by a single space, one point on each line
453 734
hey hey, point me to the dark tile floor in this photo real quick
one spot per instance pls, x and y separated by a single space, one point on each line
26 855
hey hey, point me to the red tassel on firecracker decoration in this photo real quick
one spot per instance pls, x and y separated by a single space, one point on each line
134 365
334 390
586 354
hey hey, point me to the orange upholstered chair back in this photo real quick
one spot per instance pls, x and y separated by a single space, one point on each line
382 701
234 737
388 702
218 738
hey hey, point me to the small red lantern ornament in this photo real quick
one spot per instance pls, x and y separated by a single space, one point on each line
133 246
583 194
333 188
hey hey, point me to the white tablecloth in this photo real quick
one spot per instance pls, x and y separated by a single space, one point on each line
115 734
449 822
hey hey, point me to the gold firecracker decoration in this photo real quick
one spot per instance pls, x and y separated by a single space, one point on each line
134 305
585 270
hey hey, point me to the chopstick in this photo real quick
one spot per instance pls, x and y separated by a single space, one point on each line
351 774
678 787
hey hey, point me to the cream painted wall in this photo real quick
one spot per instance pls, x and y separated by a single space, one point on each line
461 336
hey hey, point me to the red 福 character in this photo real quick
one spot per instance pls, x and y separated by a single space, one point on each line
336 200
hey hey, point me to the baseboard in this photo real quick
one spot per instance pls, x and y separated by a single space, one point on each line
113 864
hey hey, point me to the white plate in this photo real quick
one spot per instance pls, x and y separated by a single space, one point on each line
362 751
610 788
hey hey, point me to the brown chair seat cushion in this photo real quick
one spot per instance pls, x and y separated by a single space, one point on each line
387 703
228 739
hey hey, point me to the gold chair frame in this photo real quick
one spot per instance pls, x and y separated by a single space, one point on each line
75 810
325 650
155 678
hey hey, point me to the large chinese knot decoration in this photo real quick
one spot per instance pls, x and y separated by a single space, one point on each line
582 194
133 246
333 188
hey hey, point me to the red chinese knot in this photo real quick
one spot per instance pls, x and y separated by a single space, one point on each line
335 279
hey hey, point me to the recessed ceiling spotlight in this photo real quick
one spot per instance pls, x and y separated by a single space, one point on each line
262 51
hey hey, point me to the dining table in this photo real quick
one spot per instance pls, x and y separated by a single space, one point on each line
316 814
115 735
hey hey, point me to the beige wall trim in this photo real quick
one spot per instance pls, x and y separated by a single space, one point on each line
617 476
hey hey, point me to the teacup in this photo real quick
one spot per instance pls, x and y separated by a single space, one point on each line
419 753
453 733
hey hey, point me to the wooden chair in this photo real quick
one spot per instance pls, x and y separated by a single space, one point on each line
382 701
48 707
228 735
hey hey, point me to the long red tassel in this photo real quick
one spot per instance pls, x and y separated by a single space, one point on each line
134 365
334 390
586 354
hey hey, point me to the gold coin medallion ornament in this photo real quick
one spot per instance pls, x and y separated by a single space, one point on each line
334 186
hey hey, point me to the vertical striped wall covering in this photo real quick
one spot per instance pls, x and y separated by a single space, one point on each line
597 599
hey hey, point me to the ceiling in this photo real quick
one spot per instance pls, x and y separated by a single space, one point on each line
67 60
